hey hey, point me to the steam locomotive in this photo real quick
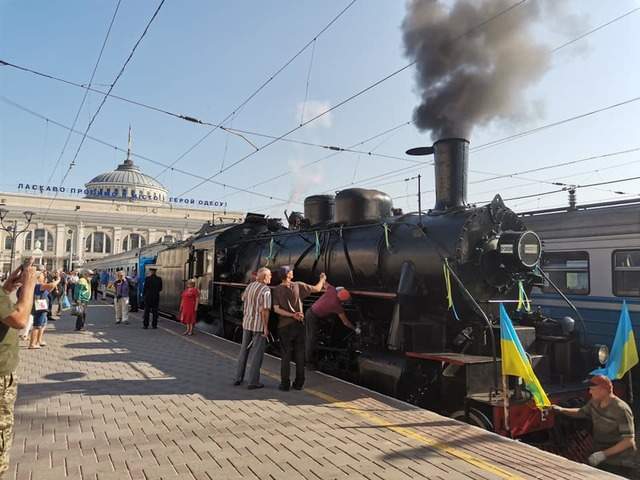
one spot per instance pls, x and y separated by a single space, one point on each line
426 289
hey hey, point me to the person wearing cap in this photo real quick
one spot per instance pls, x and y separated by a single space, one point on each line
82 296
287 303
613 429
330 303
151 294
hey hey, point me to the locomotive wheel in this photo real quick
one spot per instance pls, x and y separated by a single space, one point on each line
475 417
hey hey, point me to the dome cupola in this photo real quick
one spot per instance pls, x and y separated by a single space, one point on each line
128 182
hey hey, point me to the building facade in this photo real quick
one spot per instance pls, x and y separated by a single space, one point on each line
122 210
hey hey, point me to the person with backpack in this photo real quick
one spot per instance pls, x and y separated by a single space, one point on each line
82 296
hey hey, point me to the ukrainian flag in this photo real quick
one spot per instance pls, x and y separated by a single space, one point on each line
624 353
515 361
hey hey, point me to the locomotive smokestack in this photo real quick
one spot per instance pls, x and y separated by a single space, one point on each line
451 158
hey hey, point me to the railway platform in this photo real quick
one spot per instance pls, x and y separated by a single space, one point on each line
120 402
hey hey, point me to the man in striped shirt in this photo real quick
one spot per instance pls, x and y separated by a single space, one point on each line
255 326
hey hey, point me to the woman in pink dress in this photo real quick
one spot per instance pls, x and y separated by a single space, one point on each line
189 306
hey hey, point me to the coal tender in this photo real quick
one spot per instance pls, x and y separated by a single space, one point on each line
426 288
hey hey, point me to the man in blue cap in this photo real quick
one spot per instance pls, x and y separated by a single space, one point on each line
287 303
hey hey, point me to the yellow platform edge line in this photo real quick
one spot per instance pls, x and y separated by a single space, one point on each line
405 432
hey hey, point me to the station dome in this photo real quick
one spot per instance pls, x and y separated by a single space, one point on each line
127 181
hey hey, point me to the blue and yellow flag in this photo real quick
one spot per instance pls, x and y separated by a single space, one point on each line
624 353
515 361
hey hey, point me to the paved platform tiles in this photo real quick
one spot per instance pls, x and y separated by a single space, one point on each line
120 402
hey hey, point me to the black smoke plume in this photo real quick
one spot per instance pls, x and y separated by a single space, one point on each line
470 73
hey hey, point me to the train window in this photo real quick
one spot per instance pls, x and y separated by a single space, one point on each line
568 270
626 273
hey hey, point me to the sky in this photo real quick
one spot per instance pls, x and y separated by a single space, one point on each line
203 59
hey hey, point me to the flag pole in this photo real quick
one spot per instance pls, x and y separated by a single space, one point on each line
630 387
505 402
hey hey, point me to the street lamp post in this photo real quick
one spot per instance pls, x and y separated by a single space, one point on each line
12 230
70 232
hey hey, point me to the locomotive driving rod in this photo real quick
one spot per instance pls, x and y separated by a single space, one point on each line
363 293
489 326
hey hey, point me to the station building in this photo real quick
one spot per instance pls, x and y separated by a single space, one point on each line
116 211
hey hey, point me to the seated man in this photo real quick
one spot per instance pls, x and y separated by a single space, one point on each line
330 303
613 429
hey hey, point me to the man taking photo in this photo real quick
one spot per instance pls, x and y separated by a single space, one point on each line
14 314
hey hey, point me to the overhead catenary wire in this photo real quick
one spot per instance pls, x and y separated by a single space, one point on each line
86 91
520 173
335 153
260 88
113 84
354 96
595 29
136 155
194 120
528 132
104 99
564 189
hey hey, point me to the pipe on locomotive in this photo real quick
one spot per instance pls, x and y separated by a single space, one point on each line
451 161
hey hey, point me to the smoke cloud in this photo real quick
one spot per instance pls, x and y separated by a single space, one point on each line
467 80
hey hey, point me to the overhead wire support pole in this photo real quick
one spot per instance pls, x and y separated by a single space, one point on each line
419 201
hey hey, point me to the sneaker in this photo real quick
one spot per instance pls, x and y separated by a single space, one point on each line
296 387
237 382
256 386
155 327
145 327
284 388
118 322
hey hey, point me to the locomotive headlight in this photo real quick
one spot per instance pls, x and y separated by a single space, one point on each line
519 250
601 353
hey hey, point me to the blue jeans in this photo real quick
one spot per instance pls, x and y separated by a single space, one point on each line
253 345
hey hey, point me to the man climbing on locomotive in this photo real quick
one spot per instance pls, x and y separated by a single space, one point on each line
613 428
287 303
329 304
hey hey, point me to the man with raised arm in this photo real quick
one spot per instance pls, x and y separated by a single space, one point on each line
14 315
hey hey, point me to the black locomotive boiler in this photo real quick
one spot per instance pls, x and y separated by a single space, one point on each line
426 288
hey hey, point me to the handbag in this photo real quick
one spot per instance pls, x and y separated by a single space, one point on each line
66 304
40 304
76 310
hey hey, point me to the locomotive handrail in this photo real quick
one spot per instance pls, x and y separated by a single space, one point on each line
569 302
363 293
492 335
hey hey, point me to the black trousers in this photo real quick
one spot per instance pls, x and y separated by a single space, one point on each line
81 319
150 308
94 292
292 338
133 300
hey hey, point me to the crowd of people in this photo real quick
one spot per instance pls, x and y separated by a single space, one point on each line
29 297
